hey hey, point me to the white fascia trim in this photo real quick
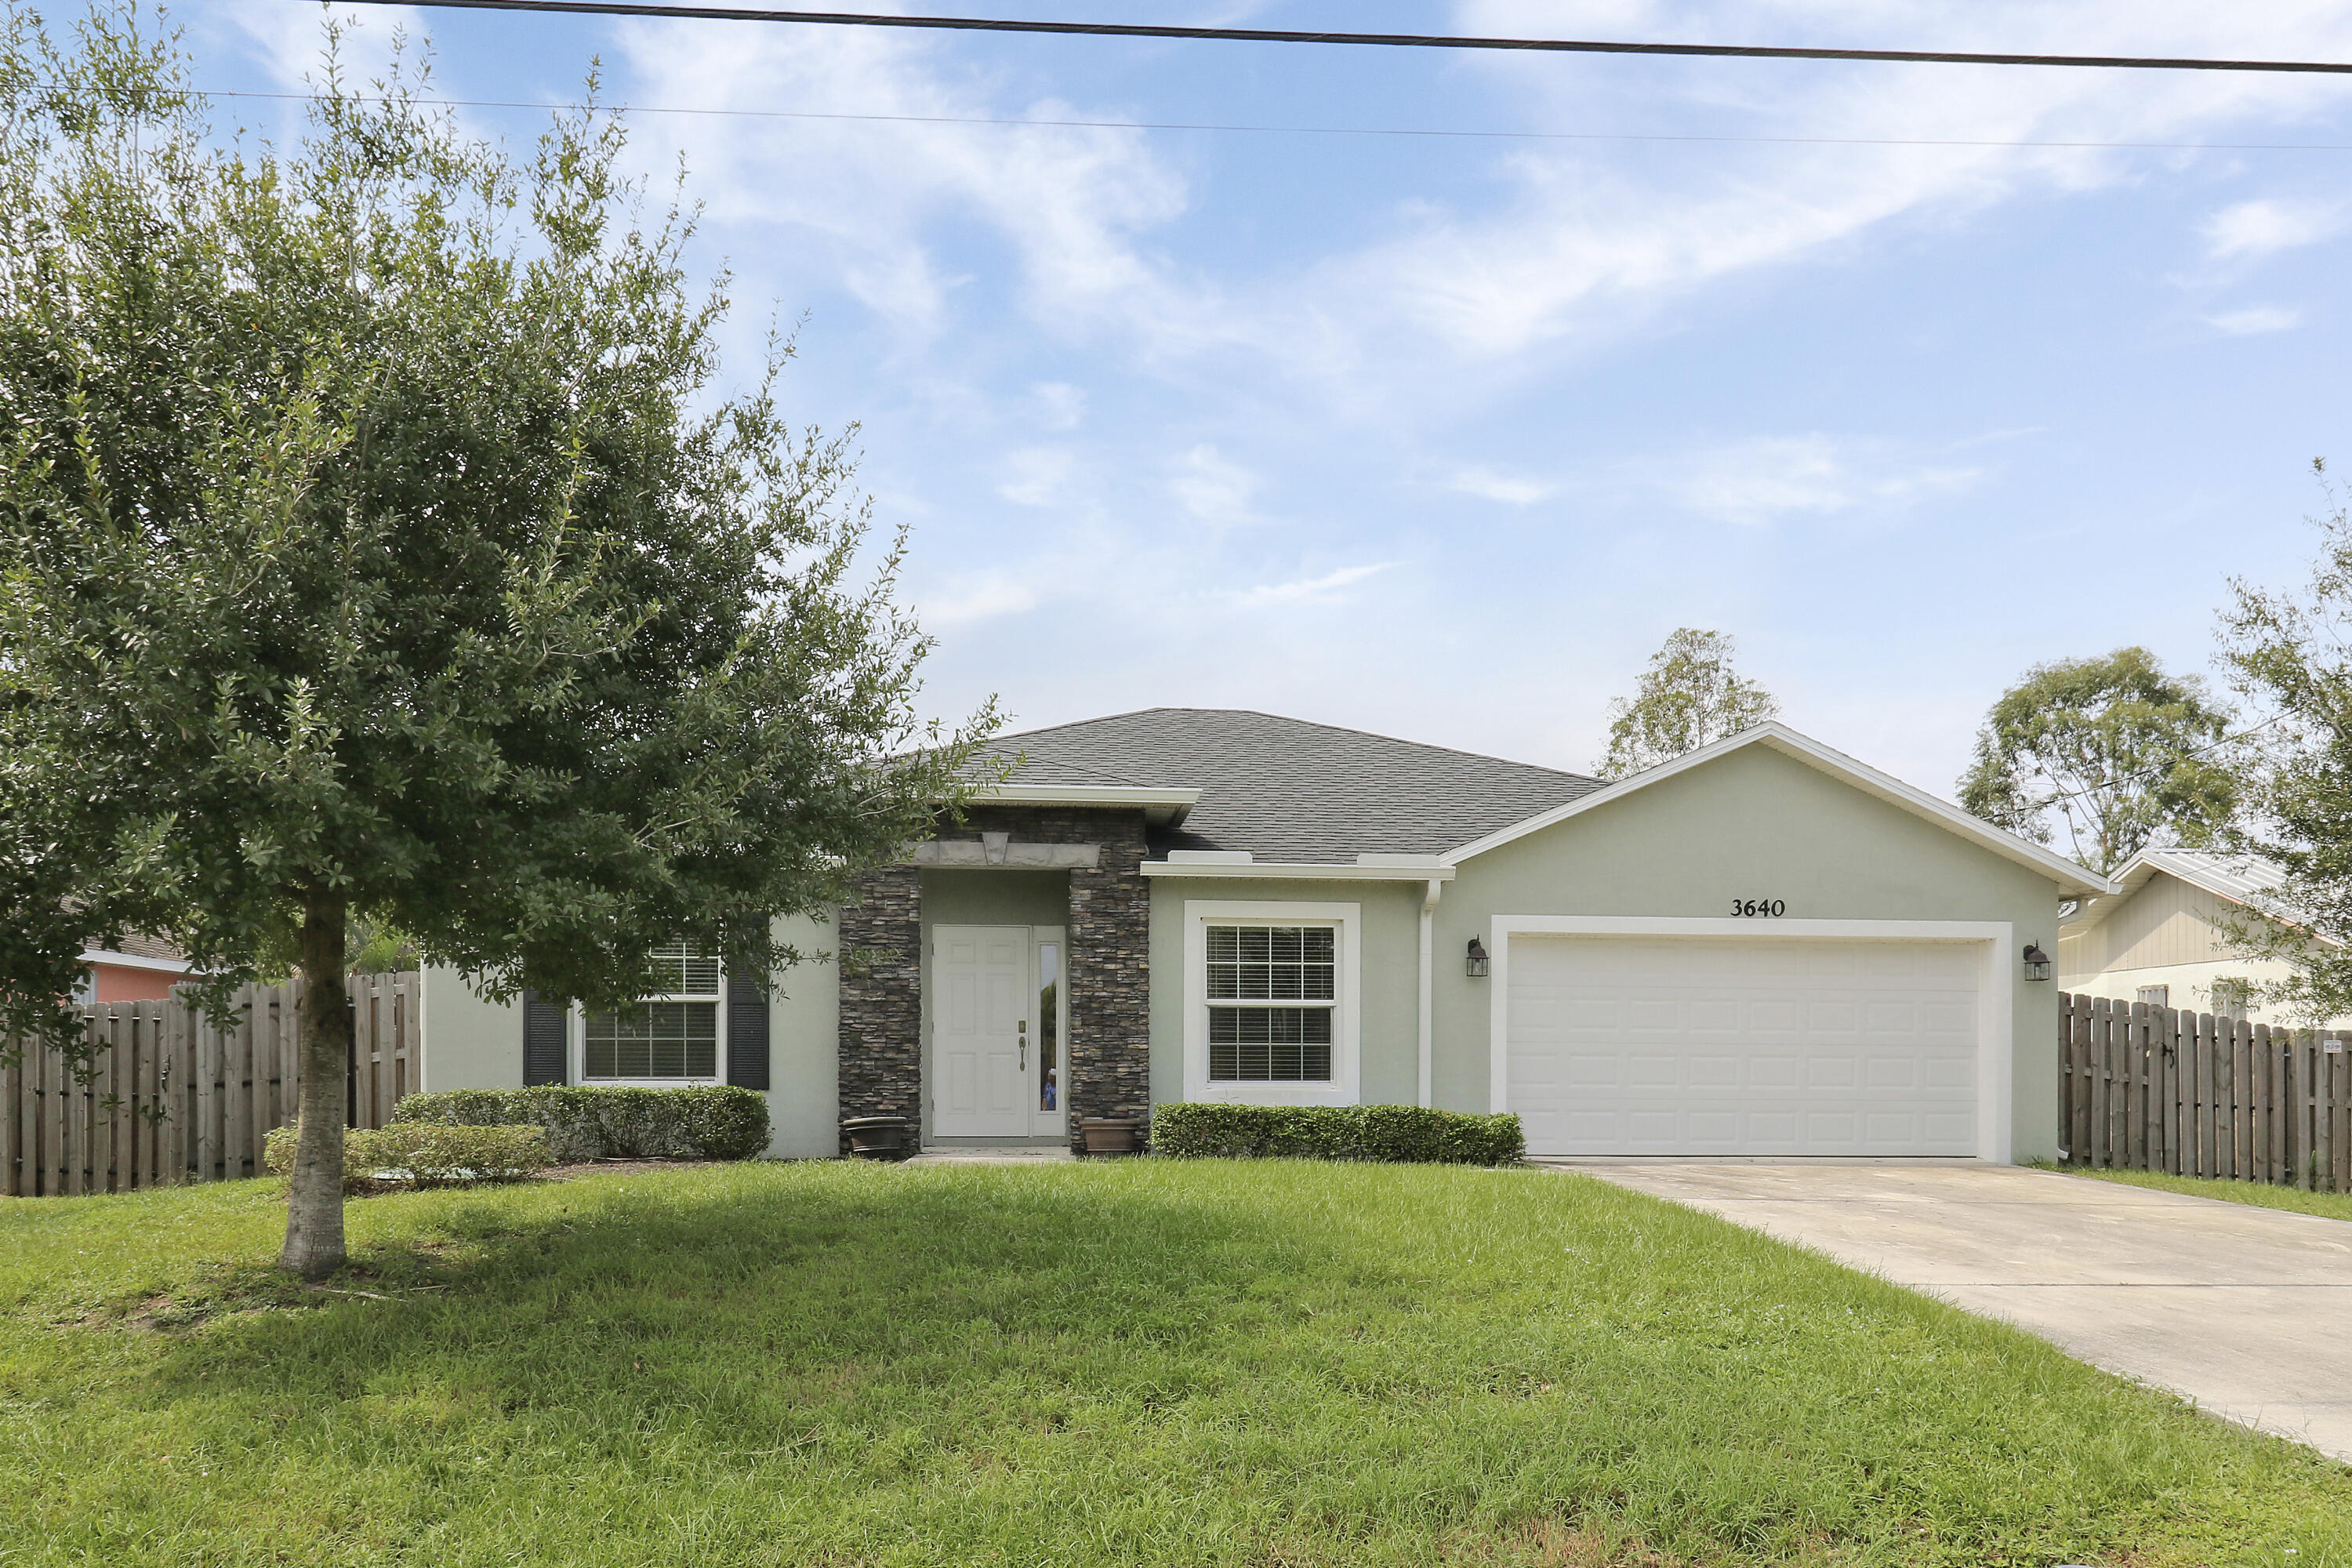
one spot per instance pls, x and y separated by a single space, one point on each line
1287 870
2073 881
1347 1034
1160 805
132 960
1996 1017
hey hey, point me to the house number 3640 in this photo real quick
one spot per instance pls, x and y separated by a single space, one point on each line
1751 907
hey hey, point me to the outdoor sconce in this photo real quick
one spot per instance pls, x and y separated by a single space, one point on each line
1474 963
2037 963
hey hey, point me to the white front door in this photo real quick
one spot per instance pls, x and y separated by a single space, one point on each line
1686 1045
982 1059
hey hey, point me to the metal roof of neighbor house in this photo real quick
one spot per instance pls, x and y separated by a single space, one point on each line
2241 878
1290 791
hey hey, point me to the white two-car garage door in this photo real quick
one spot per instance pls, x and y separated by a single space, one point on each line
1647 1045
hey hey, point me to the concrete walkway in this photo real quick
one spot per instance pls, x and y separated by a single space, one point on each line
2248 1311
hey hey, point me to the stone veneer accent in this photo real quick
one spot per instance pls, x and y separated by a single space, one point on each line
1107 971
880 1033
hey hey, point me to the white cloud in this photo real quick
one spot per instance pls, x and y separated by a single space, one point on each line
291 38
2260 227
1588 240
2255 318
1326 589
1060 405
1488 485
1770 476
877 197
1040 475
1213 488
985 597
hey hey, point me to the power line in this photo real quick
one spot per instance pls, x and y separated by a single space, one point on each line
1303 129
1389 40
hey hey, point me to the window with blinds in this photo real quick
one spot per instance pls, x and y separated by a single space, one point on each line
672 1035
1273 993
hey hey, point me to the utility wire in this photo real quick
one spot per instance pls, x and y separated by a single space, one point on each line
1299 130
1390 40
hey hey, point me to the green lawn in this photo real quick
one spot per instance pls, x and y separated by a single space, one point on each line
1128 1363
2330 1206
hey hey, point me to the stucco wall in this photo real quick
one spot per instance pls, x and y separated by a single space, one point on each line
469 1043
1754 823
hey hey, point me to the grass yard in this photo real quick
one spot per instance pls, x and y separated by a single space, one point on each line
2328 1205
1131 1363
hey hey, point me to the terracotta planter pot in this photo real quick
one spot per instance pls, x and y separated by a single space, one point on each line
1109 1134
878 1136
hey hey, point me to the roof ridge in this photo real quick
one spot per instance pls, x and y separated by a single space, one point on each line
1311 724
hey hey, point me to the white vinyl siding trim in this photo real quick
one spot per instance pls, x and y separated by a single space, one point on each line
1344 920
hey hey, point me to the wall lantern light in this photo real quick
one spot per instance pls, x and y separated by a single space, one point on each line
2037 963
1474 963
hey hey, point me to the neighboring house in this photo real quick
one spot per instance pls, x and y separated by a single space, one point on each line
1763 947
2162 937
141 970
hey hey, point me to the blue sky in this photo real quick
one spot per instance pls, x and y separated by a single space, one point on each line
1439 437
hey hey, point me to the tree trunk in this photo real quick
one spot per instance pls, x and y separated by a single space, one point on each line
314 1217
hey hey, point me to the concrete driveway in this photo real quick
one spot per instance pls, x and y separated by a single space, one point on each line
2247 1312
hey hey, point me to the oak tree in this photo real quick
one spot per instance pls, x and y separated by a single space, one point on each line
378 542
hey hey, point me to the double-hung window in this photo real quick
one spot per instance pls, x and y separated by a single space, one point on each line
671 1037
1273 1000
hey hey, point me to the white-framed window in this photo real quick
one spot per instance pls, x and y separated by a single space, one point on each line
1273 998
1271 1001
676 1035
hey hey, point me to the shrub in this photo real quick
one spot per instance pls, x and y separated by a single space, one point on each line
1386 1133
710 1123
427 1154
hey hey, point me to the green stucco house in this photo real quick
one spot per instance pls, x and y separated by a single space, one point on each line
1763 948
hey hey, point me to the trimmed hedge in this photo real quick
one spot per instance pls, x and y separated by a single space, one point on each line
1386 1133
427 1154
711 1124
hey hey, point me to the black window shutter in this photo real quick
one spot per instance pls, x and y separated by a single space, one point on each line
546 1040
747 1027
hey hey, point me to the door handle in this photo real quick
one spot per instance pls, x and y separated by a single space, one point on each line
1021 1031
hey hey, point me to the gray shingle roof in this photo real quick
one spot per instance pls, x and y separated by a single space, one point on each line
1291 791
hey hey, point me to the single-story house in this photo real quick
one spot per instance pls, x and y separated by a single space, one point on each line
1761 948
2163 935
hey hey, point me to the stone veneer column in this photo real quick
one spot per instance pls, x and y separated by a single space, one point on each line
1109 971
881 1029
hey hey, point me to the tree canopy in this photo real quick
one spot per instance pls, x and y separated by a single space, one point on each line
1688 696
2289 653
2111 750
377 540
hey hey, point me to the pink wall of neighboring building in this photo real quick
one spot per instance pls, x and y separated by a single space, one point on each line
120 983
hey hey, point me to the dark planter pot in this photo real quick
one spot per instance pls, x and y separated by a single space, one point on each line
878 1136
1109 1134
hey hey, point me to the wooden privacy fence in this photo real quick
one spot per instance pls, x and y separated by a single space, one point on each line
2155 1089
170 1096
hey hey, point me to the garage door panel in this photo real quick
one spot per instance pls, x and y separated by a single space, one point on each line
1718 1045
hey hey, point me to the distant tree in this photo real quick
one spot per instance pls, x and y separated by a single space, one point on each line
2113 750
373 544
2290 655
1688 696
